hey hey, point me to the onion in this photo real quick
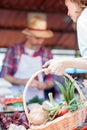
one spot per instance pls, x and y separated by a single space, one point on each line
37 115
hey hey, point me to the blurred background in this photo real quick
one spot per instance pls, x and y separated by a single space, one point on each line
14 17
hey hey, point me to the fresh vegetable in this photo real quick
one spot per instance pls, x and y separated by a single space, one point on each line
68 90
64 112
76 129
37 115
35 100
72 100
17 119
84 128
55 109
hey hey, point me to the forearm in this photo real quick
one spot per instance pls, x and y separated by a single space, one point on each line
44 85
80 63
49 84
15 81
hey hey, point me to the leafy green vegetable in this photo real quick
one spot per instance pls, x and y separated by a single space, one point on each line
54 109
71 101
70 97
35 100
62 90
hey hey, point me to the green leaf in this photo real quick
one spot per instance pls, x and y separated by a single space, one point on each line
72 107
72 91
68 87
62 90
67 83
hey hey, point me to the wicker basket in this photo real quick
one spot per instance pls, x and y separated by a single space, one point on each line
68 121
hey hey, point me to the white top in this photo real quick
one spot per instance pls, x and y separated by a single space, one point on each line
82 32
27 67
29 51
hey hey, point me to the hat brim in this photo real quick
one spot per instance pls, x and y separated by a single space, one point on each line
42 34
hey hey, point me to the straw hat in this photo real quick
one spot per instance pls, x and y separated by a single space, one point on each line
37 27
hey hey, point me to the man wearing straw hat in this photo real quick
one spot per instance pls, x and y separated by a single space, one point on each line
24 59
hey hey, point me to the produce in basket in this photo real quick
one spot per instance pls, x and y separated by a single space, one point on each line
50 110
37 115
66 115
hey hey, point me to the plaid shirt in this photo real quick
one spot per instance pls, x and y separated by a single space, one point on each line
13 55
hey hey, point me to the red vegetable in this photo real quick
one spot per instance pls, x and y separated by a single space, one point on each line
17 119
57 115
64 112
75 129
84 128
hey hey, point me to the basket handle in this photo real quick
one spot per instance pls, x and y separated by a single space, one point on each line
31 79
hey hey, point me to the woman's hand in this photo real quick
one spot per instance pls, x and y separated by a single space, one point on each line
54 66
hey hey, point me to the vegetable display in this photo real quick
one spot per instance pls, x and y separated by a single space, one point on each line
17 119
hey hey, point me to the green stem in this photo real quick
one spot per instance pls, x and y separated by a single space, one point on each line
51 98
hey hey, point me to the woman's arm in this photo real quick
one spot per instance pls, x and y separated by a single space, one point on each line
58 66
